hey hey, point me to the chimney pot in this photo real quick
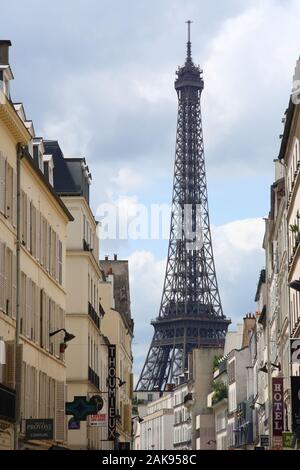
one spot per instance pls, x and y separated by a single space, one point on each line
115 257
4 51
106 257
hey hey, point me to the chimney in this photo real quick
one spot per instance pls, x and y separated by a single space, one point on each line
248 329
106 257
4 51
115 257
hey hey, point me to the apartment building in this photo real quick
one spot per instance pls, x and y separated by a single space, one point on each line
182 414
118 326
43 228
156 429
86 356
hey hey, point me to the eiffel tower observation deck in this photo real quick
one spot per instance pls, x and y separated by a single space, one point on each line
190 314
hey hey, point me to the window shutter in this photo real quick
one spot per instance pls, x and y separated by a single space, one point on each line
37 315
14 221
14 287
24 217
23 304
2 183
28 307
2 275
60 411
33 231
8 281
5 280
23 389
9 192
38 235
60 262
52 399
48 313
29 221
10 364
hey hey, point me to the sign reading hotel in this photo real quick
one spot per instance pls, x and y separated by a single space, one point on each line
111 423
277 399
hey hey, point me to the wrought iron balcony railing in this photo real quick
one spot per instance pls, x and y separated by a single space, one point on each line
93 315
93 377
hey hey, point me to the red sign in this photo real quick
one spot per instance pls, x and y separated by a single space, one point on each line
97 420
277 397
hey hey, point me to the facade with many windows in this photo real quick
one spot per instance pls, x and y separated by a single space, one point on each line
86 356
44 219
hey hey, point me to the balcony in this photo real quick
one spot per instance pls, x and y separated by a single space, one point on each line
94 378
219 392
188 400
86 246
7 403
93 315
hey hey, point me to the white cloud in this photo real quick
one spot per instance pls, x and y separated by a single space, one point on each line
239 258
128 180
248 75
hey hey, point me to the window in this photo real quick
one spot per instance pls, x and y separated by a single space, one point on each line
231 371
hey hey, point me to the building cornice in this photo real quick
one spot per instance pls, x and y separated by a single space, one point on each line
13 122
28 158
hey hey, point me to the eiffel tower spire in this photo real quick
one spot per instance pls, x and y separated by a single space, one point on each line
190 313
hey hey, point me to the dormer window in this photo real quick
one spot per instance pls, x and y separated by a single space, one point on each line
5 77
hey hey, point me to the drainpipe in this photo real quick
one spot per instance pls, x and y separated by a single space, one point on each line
270 407
17 366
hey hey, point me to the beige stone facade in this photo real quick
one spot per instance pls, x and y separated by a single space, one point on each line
44 220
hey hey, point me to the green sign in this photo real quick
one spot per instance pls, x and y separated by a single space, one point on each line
80 408
289 440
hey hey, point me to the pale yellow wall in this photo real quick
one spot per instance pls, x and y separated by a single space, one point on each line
33 354
81 266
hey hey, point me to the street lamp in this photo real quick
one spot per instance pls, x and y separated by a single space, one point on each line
121 382
68 337
265 368
295 285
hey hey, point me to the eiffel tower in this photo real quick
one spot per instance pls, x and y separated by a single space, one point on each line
190 314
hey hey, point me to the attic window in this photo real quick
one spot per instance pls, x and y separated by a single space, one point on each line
41 163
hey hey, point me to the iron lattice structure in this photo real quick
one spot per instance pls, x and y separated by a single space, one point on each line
190 314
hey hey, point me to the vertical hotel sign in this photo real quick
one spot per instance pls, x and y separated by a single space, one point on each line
111 392
277 396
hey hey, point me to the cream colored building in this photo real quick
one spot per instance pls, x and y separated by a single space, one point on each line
290 157
86 356
118 325
156 429
44 220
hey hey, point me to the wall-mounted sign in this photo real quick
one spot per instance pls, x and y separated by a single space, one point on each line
111 382
295 383
295 351
278 407
80 408
99 420
264 440
36 429
73 424
289 440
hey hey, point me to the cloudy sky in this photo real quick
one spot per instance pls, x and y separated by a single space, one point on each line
98 76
